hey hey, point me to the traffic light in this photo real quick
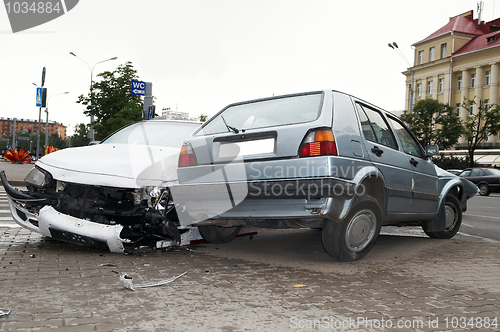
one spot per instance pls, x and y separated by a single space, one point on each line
29 130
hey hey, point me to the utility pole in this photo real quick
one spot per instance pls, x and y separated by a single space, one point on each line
40 119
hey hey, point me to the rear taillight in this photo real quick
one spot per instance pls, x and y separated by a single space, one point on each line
187 156
318 143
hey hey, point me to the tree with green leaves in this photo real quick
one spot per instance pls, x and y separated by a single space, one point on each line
57 142
203 117
433 122
483 121
81 135
110 101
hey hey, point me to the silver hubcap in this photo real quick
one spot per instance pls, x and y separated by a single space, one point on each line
451 216
483 189
360 230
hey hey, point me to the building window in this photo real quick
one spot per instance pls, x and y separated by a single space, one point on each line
458 109
471 111
432 52
486 104
459 83
420 57
487 79
419 89
441 85
429 87
443 51
472 80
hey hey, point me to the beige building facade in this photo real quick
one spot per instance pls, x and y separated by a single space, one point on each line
459 61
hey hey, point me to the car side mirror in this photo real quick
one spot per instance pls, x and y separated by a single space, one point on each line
431 150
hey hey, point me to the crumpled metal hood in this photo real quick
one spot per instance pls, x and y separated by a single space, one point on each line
114 165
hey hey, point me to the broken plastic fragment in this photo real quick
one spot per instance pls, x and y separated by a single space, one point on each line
127 282
298 285
4 312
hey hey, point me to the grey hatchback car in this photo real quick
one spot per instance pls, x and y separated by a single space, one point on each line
320 159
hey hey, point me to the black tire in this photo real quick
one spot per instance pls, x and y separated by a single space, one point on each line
453 213
352 238
217 234
484 190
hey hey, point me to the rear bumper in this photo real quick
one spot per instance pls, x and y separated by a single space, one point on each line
258 200
308 188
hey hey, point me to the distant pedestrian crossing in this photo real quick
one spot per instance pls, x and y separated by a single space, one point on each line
5 215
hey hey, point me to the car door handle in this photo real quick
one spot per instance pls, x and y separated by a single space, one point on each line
378 152
413 162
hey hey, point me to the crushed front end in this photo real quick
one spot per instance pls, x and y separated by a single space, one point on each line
97 216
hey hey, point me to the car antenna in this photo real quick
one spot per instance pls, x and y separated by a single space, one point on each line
236 131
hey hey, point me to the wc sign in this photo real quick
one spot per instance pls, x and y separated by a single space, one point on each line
138 88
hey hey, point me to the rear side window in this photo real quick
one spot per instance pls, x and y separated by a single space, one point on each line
266 113
375 128
477 172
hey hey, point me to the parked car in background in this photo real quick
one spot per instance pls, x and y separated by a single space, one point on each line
107 194
320 159
487 179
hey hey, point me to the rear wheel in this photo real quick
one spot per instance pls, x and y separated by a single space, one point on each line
453 214
352 238
484 190
217 234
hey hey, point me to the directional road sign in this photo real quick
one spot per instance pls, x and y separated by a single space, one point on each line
138 88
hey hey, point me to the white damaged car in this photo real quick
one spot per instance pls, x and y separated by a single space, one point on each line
110 193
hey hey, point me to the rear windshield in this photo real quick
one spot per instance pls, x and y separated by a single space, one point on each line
159 133
266 113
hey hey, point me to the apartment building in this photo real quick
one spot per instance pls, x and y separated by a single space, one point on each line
459 60
24 125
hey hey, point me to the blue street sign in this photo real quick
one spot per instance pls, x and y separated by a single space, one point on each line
151 112
138 88
39 95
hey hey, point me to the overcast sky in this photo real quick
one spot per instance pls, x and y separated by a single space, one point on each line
201 55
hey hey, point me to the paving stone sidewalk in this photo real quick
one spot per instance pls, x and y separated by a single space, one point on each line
430 286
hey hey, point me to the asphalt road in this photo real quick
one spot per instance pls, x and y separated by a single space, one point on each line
482 217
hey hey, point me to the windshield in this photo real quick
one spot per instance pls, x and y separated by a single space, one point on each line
266 113
160 133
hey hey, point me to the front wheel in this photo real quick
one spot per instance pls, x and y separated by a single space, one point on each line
453 214
352 238
217 234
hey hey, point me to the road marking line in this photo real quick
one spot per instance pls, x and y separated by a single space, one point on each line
485 239
475 215
467 225
10 225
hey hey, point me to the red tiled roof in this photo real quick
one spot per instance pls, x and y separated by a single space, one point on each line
458 24
480 43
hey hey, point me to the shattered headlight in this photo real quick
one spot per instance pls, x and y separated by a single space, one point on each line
154 195
38 177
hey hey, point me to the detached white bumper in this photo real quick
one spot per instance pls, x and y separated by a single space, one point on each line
74 230
66 228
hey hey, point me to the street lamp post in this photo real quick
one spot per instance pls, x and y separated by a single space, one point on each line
395 47
47 119
92 89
